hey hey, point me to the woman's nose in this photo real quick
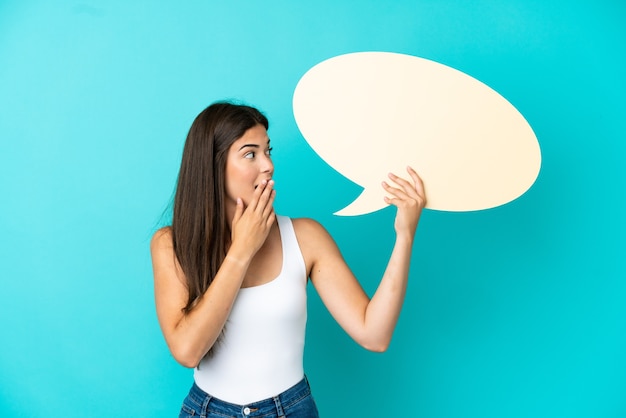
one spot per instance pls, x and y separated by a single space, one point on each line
268 165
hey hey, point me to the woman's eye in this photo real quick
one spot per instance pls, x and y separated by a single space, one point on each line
269 151
250 154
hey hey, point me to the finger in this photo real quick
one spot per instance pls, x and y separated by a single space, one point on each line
404 201
412 190
396 192
417 181
271 218
391 201
402 183
265 196
238 210
402 196
397 201
256 196
413 174
269 207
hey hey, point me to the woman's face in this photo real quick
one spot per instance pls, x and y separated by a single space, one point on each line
247 165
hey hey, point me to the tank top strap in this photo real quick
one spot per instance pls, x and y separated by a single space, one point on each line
292 255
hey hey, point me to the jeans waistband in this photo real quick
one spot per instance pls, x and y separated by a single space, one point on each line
259 408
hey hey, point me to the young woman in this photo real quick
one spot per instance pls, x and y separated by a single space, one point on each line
230 275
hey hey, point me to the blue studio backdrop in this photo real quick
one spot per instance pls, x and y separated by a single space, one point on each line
515 311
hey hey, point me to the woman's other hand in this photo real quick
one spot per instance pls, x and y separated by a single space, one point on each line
409 197
252 224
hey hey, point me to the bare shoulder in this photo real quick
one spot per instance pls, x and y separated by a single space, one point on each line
308 229
315 242
162 239
162 251
164 263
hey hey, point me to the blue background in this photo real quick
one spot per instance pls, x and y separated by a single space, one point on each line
517 311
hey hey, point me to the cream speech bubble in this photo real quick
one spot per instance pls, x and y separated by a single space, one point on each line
370 113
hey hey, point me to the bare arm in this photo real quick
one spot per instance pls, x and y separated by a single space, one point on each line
190 335
369 322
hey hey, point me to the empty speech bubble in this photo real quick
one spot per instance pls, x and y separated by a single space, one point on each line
370 113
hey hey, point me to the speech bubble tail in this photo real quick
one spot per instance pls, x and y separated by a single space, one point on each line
367 202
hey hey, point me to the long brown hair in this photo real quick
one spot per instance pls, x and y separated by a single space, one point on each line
200 231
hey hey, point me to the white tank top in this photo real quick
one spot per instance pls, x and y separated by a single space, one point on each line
261 351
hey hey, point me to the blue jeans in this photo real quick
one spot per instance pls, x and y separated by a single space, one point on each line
295 402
